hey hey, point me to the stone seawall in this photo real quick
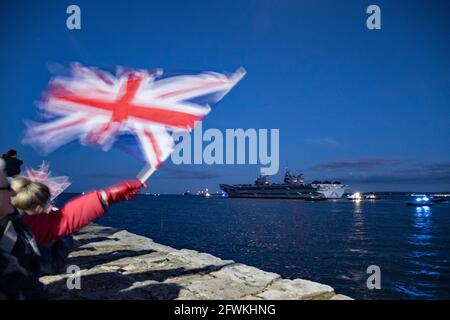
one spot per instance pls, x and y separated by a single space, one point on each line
120 265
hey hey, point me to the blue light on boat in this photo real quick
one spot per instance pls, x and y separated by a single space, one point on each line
418 199
425 199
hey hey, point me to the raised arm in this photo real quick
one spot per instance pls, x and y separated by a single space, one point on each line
79 212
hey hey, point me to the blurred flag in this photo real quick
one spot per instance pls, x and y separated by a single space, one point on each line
136 109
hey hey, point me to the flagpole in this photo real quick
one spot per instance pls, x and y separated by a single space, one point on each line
145 173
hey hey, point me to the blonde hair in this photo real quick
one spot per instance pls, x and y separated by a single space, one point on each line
29 194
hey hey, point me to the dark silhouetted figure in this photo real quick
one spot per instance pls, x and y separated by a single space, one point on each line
12 163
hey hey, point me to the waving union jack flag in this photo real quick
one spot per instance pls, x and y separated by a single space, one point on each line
134 109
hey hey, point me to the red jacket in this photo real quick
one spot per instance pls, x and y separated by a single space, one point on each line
74 215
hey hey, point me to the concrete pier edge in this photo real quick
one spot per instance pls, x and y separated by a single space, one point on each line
117 264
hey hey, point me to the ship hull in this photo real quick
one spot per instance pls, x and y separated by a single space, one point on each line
272 192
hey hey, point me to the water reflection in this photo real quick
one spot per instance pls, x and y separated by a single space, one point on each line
421 268
358 233
357 207
422 225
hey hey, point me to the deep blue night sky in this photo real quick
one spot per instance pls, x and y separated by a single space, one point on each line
369 107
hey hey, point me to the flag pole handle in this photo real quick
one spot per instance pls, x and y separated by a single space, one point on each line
145 173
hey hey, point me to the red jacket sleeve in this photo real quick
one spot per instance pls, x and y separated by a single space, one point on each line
75 214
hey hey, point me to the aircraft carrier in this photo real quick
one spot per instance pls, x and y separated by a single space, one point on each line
293 187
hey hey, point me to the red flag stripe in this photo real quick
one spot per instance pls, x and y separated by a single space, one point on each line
166 117
155 146
95 136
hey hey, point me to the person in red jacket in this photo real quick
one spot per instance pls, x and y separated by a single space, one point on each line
49 224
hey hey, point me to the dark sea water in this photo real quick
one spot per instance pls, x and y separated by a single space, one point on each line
331 242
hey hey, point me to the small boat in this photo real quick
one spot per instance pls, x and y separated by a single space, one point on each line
357 196
203 193
371 196
187 193
421 201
